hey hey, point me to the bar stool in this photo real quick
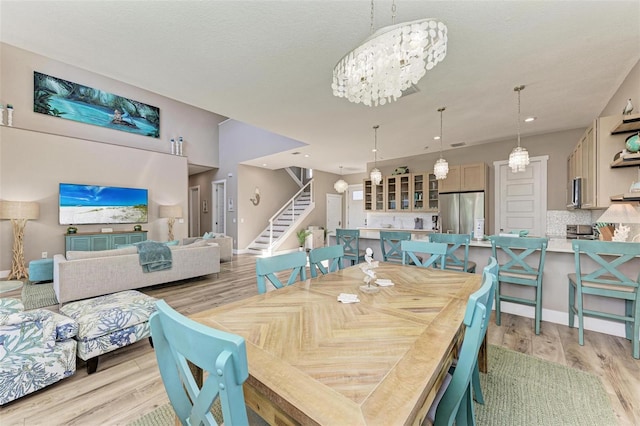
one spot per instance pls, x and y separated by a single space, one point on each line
454 242
390 245
350 240
513 269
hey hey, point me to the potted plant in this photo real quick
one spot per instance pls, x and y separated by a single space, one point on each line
302 236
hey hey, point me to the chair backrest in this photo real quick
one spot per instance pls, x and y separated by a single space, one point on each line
606 272
491 270
333 254
474 320
349 239
390 244
436 251
266 268
178 339
517 250
454 242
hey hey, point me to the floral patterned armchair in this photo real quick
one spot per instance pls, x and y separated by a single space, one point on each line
36 349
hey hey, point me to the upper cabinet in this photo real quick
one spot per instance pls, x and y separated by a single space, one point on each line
398 192
464 178
591 159
411 192
373 196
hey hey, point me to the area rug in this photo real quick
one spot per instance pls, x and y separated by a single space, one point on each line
518 390
7 286
523 390
36 296
165 416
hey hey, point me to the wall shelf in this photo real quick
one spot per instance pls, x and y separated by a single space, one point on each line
630 160
629 123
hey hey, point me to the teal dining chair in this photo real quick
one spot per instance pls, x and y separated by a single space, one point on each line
349 239
453 402
390 242
177 341
435 252
514 268
453 260
267 267
605 279
332 255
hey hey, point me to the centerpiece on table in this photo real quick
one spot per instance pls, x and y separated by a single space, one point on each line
369 272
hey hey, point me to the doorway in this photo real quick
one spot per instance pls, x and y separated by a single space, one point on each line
356 217
218 212
521 198
194 211
334 213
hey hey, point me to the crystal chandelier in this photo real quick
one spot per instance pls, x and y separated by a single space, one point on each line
340 186
390 60
441 168
519 157
376 175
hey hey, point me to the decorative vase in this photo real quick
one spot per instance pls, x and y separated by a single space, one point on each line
72 230
9 115
137 228
1 115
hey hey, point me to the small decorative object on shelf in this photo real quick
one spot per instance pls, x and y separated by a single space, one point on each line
179 149
1 115
72 230
10 115
627 108
632 143
137 227
173 146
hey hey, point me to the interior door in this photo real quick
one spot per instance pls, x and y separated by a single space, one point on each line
334 213
521 198
356 216
218 212
194 211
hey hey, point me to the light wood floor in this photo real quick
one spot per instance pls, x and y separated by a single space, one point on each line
128 385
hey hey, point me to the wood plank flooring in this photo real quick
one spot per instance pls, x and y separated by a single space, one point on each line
128 385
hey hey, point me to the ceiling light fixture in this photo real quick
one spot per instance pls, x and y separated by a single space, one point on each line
529 119
340 186
519 157
376 175
441 168
390 60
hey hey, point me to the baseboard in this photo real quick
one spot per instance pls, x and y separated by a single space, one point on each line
613 328
4 274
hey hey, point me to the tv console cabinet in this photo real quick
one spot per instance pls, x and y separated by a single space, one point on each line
94 241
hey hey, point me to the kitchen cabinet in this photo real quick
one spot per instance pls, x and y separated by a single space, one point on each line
424 188
591 160
373 196
398 193
465 177
433 193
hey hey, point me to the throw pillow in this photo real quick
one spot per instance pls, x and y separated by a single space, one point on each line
172 243
207 235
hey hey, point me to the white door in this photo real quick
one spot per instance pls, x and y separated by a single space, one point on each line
218 212
521 198
334 213
194 211
355 208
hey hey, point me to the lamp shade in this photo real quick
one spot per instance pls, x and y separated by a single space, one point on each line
19 210
620 213
174 210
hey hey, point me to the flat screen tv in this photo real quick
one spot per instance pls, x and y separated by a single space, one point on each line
92 204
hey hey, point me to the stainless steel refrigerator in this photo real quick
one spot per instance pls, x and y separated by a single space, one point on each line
459 210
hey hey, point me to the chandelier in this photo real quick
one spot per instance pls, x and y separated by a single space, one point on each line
441 168
519 157
376 175
340 186
390 60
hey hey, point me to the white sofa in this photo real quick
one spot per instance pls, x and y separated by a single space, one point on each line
225 243
84 274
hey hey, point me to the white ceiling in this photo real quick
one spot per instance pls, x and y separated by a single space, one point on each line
269 64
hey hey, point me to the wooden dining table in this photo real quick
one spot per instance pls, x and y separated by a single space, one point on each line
380 361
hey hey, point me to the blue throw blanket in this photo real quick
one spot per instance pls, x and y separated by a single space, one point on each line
154 256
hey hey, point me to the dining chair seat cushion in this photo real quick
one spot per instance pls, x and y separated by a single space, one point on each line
471 266
431 414
592 284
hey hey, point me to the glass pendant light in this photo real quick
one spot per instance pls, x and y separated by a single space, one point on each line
340 186
441 168
376 175
519 157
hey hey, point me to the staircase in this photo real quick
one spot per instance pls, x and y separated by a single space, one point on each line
285 222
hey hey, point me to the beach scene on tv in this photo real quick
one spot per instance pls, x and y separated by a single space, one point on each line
91 204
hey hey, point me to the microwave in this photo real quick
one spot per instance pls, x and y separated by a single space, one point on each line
574 194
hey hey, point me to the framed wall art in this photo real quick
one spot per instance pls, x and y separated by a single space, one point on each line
72 101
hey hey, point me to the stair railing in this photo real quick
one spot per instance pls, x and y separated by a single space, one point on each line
291 203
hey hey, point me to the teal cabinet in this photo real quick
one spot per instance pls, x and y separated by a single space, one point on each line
102 241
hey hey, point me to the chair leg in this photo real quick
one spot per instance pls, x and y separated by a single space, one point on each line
151 341
92 365
580 318
635 340
475 380
538 318
498 303
572 297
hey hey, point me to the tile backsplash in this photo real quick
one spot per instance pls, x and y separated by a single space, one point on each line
557 220
399 220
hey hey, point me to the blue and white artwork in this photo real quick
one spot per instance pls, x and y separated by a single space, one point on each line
65 99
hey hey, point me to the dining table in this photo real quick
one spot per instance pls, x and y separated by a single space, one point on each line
378 361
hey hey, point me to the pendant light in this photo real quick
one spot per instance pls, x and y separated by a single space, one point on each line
441 168
340 186
519 157
376 175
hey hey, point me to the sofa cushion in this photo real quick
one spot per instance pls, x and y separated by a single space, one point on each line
76 255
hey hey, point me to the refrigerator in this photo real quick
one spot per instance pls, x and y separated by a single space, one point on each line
459 211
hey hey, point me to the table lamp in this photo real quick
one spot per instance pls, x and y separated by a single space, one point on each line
620 213
171 213
19 212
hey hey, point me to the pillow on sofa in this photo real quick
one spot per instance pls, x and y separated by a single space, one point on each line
172 243
75 255
208 235
198 243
